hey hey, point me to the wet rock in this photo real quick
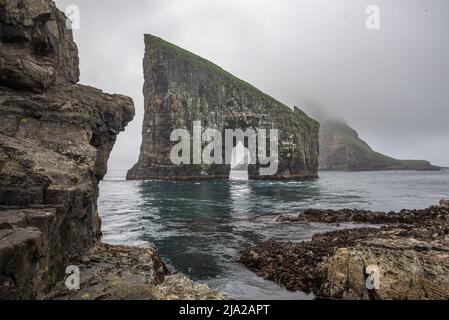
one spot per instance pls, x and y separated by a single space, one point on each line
115 273
362 216
181 88
299 266
410 254
130 273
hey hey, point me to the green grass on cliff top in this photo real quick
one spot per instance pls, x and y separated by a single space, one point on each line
217 69
352 138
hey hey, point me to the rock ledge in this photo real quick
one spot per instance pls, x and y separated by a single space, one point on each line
410 253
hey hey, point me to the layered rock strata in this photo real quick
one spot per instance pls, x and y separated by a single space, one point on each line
181 88
55 140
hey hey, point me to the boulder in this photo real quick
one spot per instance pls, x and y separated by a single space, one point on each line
409 269
407 258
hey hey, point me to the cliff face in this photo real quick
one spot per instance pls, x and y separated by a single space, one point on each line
55 140
342 149
181 88
37 48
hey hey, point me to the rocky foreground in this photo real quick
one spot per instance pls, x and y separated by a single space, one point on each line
410 250
130 273
55 139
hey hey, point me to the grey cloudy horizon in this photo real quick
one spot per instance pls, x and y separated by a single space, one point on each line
391 85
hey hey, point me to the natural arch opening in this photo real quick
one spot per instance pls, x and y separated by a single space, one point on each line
240 161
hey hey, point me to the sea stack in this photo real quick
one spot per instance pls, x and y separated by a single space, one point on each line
181 88
55 141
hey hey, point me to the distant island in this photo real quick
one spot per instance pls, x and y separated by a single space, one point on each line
342 149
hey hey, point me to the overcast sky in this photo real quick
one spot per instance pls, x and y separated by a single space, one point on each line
391 85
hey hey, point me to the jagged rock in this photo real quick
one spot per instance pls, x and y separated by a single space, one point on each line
55 140
362 216
37 49
411 256
124 273
181 88
115 273
299 266
409 269
444 203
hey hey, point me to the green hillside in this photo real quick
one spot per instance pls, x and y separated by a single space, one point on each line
341 148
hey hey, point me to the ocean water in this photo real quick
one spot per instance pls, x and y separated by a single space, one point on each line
199 228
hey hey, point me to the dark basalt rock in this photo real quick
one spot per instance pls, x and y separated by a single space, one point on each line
361 216
37 49
130 273
299 267
115 273
55 140
411 253
181 88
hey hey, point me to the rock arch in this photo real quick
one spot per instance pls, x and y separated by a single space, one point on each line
181 88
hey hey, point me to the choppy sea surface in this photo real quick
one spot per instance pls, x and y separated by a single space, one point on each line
199 228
